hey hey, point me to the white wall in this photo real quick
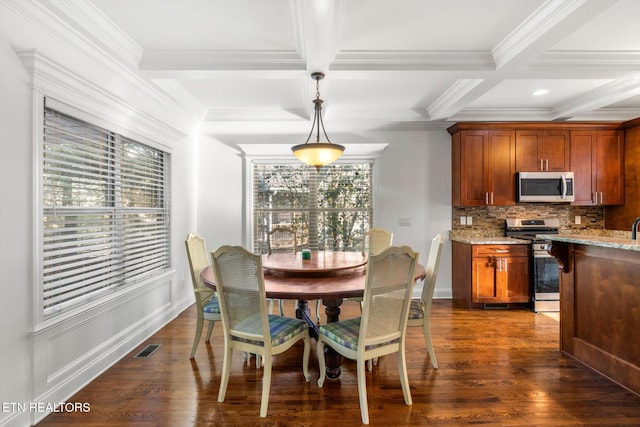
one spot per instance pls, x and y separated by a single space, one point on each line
415 182
412 180
45 362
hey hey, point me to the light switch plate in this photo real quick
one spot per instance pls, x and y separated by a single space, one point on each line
404 221
463 220
469 220
578 219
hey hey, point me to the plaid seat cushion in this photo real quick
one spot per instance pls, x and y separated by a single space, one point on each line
415 310
212 306
345 333
282 328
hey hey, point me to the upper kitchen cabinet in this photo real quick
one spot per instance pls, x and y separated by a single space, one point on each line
483 167
597 160
542 150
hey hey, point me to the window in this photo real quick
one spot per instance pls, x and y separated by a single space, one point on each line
329 209
105 218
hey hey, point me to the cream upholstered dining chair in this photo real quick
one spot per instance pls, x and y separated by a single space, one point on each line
207 305
375 240
420 310
281 238
381 328
246 324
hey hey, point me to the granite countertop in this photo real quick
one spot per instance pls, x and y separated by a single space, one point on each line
489 240
605 242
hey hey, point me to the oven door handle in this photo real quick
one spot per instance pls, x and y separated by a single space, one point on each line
564 187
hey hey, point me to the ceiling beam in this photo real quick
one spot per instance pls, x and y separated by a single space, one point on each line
597 98
545 27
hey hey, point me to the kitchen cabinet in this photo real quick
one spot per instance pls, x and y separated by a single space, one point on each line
597 160
483 167
490 274
500 274
542 150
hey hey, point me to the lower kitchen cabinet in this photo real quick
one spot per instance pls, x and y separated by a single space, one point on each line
485 274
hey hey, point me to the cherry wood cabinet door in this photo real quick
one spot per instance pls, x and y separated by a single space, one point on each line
555 151
517 279
597 160
610 168
583 164
486 286
473 172
501 168
538 150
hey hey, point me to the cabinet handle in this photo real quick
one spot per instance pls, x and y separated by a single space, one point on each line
501 251
546 164
594 198
492 197
486 198
505 265
601 198
541 166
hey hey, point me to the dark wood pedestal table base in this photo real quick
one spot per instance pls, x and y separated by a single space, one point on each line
329 276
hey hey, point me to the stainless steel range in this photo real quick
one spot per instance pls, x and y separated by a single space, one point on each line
545 286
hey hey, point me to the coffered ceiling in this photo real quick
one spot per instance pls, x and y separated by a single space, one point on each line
245 64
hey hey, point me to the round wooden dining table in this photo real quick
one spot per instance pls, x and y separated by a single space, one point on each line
328 276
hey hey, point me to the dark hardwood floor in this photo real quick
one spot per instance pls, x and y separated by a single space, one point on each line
497 367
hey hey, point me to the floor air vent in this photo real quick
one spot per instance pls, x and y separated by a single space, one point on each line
147 351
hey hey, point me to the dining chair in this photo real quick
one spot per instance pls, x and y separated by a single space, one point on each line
375 240
246 324
381 328
420 309
281 238
207 306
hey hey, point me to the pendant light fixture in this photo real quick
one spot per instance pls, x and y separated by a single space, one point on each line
317 153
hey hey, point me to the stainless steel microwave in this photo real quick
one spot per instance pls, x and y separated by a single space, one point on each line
545 187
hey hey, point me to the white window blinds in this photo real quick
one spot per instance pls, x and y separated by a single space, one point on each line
105 213
329 209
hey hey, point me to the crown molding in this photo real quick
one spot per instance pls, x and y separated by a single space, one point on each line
83 27
62 84
501 114
212 59
410 60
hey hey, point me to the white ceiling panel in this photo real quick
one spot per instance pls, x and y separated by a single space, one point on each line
245 63
519 93
431 24
204 24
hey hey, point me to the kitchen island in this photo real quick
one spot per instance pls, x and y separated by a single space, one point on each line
600 304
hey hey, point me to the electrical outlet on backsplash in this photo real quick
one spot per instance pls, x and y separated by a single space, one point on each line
488 221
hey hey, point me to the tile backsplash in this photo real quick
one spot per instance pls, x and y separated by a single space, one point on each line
488 221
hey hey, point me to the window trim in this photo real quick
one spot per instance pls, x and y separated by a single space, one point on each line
249 161
40 320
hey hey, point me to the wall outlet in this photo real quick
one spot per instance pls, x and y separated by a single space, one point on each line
578 219
469 220
463 220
